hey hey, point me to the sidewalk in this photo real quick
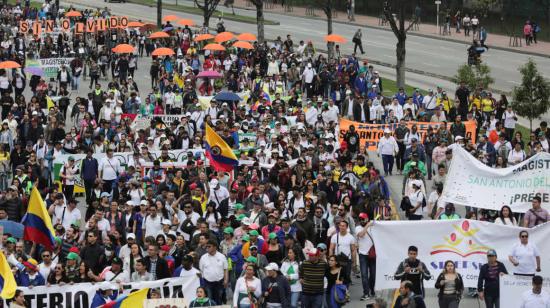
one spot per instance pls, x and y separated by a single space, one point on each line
426 30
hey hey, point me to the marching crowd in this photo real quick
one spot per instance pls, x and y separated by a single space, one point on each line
292 226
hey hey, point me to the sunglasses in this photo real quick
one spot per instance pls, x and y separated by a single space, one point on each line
524 236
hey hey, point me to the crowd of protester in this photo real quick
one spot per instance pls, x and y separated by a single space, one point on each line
296 218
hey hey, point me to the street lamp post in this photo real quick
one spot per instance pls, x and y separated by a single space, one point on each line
437 3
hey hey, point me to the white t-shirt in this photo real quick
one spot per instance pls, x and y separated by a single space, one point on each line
532 300
364 243
415 198
343 243
509 119
110 167
152 225
526 256
213 267
122 276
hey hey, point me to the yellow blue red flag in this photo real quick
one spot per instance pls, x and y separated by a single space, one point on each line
37 222
218 152
7 281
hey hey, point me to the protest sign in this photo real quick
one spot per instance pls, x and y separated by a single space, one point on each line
50 66
80 295
465 242
143 122
370 134
92 24
247 141
513 186
512 288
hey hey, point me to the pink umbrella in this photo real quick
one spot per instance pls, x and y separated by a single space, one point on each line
209 74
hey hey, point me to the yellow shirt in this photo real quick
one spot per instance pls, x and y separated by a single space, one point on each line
360 170
446 103
486 105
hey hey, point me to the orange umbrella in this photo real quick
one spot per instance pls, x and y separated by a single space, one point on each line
149 26
135 24
159 34
216 47
335 38
163 51
224 37
186 22
243 44
170 18
123 48
246 37
203 37
9 64
73 14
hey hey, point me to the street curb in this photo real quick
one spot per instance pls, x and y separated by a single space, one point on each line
527 52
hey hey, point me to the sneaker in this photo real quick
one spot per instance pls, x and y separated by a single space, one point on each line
364 298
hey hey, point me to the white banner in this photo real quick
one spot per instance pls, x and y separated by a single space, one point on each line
471 183
465 242
80 295
512 288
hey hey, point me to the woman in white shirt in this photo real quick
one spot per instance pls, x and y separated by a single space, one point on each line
416 197
248 288
506 217
517 155
290 269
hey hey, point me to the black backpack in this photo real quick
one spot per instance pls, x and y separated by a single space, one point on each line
406 205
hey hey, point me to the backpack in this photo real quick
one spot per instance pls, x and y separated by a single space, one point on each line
406 205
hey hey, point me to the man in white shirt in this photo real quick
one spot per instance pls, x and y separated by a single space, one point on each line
152 223
344 244
307 76
525 256
58 210
116 273
72 215
109 168
213 266
509 118
387 147
366 263
217 192
429 102
536 297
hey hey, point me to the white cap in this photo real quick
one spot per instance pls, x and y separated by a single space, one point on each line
143 202
458 138
329 135
387 131
418 183
166 222
272 267
130 202
246 221
214 183
130 235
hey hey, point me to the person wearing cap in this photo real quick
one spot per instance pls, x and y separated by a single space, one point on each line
488 285
217 192
104 294
387 148
367 255
417 200
275 287
29 276
214 269
312 274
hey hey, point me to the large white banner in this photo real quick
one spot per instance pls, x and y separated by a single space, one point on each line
471 183
465 242
512 288
80 295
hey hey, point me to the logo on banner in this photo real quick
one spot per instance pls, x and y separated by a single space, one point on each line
461 242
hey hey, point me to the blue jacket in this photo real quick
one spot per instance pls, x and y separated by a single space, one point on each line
237 258
23 279
281 234
490 150
360 85
98 299
90 169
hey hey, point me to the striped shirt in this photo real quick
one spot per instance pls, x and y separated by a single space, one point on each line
313 275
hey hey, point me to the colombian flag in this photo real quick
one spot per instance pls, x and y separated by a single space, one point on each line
49 102
7 281
218 152
132 300
37 222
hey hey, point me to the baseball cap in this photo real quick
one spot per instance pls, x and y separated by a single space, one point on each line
72 256
116 260
272 235
214 183
228 230
322 246
251 259
11 240
130 236
272 267
254 233
363 216
491 252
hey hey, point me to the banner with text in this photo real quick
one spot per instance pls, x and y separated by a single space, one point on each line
80 295
512 289
370 134
465 242
513 186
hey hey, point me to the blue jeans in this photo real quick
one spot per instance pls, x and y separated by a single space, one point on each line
368 273
214 289
312 301
294 297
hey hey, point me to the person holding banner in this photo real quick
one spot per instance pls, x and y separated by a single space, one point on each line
525 256
450 286
488 286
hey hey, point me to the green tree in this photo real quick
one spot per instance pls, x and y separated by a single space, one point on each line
474 76
208 8
532 97
260 21
484 6
328 7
